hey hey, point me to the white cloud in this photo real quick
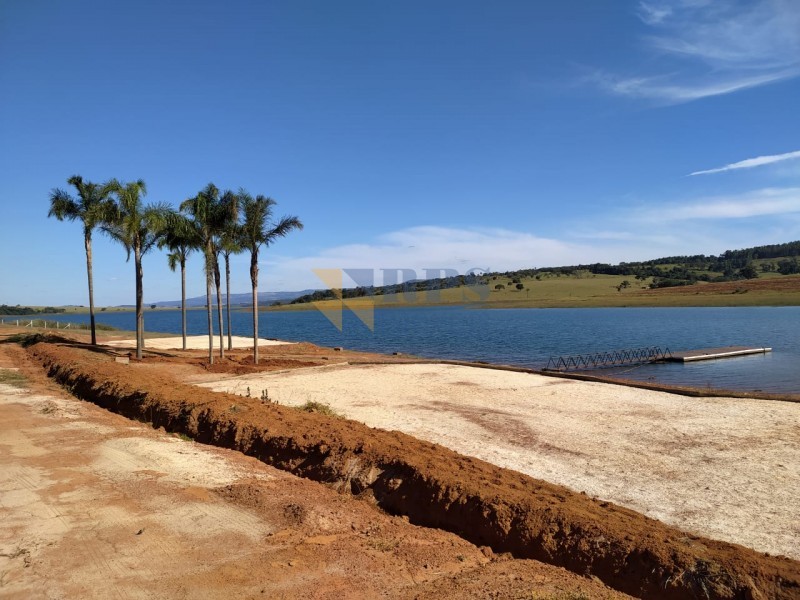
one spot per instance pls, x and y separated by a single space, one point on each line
707 226
751 162
663 89
758 203
728 34
426 248
714 48
653 14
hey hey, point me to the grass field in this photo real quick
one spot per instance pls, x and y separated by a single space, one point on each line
586 290
564 291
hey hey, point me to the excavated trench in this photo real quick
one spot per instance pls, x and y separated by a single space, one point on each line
437 487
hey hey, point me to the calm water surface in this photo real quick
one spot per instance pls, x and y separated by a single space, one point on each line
528 337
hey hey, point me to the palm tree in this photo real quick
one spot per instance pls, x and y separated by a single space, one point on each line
138 228
181 239
258 229
91 208
208 214
230 243
226 221
218 287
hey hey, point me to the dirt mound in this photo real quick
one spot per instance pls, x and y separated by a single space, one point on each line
272 358
789 283
241 365
434 486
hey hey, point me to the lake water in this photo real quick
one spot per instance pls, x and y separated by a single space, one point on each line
528 337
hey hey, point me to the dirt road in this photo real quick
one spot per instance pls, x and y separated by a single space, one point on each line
93 505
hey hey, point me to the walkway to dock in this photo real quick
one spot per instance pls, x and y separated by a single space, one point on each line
711 353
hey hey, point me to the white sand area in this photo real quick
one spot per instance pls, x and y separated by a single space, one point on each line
720 467
194 342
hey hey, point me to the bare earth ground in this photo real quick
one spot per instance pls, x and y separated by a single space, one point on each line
724 468
96 506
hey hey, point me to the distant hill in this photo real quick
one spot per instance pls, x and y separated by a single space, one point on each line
236 299
672 271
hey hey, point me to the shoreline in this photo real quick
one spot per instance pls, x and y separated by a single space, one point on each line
502 304
674 458
656 387
120 337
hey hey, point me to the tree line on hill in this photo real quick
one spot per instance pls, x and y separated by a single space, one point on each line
670 271
217 224
5 309
421 285
731 265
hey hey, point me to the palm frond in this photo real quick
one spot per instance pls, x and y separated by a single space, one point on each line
174 259
285 226
154 224
118 234
180 233
63 206
259 228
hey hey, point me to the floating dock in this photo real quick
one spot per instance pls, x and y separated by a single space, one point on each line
640 356
712 353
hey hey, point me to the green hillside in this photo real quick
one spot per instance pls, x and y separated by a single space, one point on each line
764 275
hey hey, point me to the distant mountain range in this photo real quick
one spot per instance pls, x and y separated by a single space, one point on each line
236 299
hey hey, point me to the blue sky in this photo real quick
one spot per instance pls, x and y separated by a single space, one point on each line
448 134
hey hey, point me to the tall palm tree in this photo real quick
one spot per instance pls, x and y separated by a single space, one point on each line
230 243
138 228
259 230
227 217
91 208
181 238
208 214
218 287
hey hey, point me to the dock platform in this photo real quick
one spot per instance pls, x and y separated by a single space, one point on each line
712 353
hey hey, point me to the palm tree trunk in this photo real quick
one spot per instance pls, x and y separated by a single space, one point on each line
228 298
254 281
208 308
183 300
139 316
219 308
87 239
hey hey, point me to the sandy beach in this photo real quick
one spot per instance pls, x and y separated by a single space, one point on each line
720 467
193 342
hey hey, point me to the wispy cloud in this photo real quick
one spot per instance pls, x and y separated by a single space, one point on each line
713 48
758 203
653 14
707 225
665 90
425 250
751 162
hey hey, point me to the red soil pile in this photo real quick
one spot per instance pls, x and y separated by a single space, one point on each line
434 486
